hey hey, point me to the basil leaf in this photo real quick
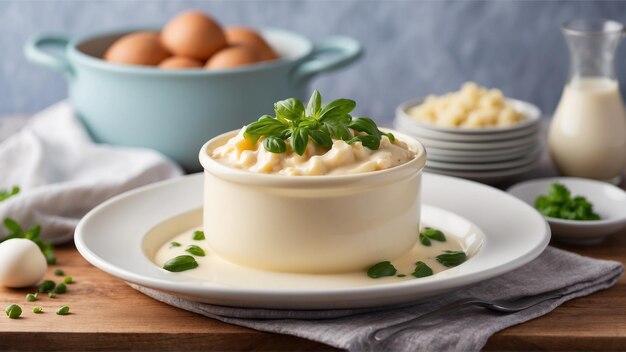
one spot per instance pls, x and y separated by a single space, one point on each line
308 124
433 234
198 235
195 250
300 139
321 138
422 270
368 141
290 109
365 124
174 244
452 258
424 240
180 263
266 125
337 109
337 130
381 269
274 144
315 104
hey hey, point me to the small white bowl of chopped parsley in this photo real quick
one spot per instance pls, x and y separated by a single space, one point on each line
579 211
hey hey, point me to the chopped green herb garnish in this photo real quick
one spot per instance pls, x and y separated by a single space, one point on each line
13 311
64 310
198 235
68 280
381 269
316 122
52 295
180 263
174 244
37 310
16 231
195 250
422 270
31 297
6 194
424 240
61 288
47 286
558 203
58 272
452 258
434 234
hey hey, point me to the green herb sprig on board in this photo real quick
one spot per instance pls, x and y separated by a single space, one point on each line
320 123
6 194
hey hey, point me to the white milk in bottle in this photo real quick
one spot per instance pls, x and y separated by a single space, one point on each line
587 136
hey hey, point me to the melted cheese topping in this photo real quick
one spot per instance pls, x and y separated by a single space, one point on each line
342 158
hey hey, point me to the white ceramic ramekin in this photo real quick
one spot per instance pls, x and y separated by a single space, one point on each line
311 224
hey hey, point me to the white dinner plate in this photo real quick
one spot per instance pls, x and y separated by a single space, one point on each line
410 128
482 159
527 159
510 152
532 113
491 177
528 141
112 236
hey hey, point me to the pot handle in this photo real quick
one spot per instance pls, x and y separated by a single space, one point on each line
34 51
329 54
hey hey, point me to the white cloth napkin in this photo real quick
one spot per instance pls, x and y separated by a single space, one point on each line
63 174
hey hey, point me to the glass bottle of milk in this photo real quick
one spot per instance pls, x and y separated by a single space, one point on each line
587 136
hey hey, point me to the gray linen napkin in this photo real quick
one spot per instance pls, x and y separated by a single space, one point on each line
466 330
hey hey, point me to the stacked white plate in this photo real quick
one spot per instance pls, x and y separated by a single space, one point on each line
489 154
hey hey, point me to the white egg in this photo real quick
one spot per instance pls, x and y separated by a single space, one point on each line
21 263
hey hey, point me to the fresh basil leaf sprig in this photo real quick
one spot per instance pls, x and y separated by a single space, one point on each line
319 123
16 231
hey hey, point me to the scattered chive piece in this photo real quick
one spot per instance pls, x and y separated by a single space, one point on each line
381 269
400 275
422 270
195 250
61 288
68 280
31 297
451 258
13 311
174 244
65 310
198 235
59 272
52 295
47 286
180 263
37 310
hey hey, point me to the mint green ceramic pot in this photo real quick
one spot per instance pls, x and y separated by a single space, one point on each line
177 111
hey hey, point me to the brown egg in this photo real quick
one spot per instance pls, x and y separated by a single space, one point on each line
141 48
193 34
247 36
233 56
180 62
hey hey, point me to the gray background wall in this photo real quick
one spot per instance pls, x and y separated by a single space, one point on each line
413 48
